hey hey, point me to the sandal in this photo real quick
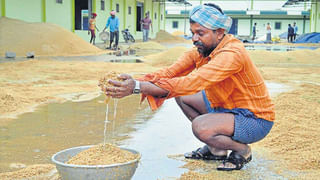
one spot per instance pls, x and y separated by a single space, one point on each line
204 154
235 159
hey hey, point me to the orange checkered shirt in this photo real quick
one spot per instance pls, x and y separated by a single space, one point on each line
228 76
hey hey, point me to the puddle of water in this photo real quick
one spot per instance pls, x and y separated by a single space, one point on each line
277 88
167 133
253 47
278 48
35 137
100 58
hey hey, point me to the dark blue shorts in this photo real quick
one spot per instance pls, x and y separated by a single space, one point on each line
247 127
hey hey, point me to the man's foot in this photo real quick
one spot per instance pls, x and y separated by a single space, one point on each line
235 161
204 153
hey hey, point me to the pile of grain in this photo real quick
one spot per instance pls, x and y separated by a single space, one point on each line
177 33
103 81
44 39
165 58
298 56
294 137
103 155
150 45
163 36
111 75
37 171
205 170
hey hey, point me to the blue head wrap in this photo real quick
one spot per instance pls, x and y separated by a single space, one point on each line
210 17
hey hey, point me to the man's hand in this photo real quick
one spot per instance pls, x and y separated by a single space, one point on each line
121 88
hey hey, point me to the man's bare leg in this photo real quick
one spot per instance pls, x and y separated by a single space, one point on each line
193 106
216 131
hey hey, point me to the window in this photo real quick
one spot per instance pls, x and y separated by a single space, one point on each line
59 1
117 8
155 15
277 25
175 24
129 10
102 5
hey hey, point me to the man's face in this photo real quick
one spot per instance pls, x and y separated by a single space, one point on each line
206 40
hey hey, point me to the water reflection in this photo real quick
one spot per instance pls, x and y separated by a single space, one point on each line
34 137
253 47
278 48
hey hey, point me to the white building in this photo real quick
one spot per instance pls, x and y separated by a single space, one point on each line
244 20
247 12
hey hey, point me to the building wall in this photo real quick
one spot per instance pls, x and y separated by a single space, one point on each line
162 14
64 16
155 17
30 11
183 25
262 23
131 19
244 25
2 8
315 16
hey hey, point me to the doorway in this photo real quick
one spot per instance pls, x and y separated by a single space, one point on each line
82 14
234 27
139 16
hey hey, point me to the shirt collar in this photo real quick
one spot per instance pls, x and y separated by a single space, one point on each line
224 41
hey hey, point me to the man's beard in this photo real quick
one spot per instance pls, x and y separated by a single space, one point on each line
202 49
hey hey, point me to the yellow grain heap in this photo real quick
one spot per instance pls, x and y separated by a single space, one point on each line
103 155
103 81
44 39
163 36
165 58
177 33
150 45
36 171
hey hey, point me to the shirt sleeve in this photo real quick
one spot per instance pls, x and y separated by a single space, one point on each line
222 66
183 66
108 23
117 24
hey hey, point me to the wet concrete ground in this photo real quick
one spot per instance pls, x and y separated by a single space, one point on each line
274 47
34 137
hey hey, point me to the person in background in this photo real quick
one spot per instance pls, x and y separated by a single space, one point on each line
146 23
113 22
92 28
290 33
217 87
295 28
268 28
254 31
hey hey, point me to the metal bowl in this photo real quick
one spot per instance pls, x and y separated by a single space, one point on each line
104 36
121 171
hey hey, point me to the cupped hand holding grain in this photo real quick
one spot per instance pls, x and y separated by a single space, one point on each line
120 88
104 82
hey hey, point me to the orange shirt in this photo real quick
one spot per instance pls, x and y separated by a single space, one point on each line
228 76
92 24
